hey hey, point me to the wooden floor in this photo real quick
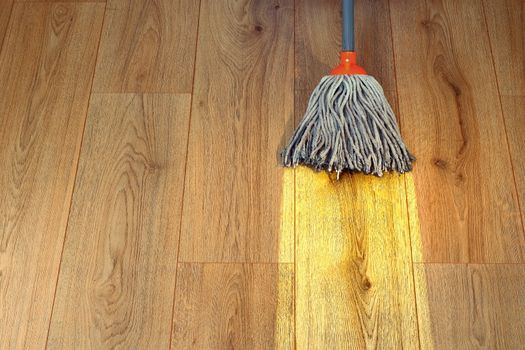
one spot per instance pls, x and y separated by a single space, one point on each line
142 205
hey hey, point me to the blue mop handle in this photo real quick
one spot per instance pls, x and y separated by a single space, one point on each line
348 25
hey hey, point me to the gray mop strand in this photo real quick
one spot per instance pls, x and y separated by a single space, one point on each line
349 126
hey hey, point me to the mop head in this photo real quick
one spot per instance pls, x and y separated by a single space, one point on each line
348 126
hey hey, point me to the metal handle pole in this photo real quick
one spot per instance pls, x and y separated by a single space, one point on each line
348 25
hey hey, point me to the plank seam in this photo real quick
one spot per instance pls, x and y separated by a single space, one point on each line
181 263
185 172
234 263
464 263
76 173
503 117
8 27
404 177
294 291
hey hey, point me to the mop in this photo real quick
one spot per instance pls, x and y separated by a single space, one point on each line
348 125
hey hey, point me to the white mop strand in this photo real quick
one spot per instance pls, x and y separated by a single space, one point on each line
349 126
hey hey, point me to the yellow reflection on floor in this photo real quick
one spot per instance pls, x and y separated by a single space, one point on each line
354 281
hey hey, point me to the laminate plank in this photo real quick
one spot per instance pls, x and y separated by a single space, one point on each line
514 112
233 306
452 121
354 284
238 198
471 306
353 266
506 27
5 12
117 275
46 69
147 46
317 42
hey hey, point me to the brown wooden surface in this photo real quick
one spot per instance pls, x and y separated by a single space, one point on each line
147 46
353 265
514 112
117 278
5 12
46 67
227 306
471 306
452 120
316 51
161 217
242 110
506 28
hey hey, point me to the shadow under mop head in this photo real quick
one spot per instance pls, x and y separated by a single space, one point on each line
348 125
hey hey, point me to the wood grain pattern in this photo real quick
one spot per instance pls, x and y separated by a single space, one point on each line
353 271
514 112
46 68
5 12
117 276
471 306
241 114
506 27
353 284
317 43
234 306
147 46
451 119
